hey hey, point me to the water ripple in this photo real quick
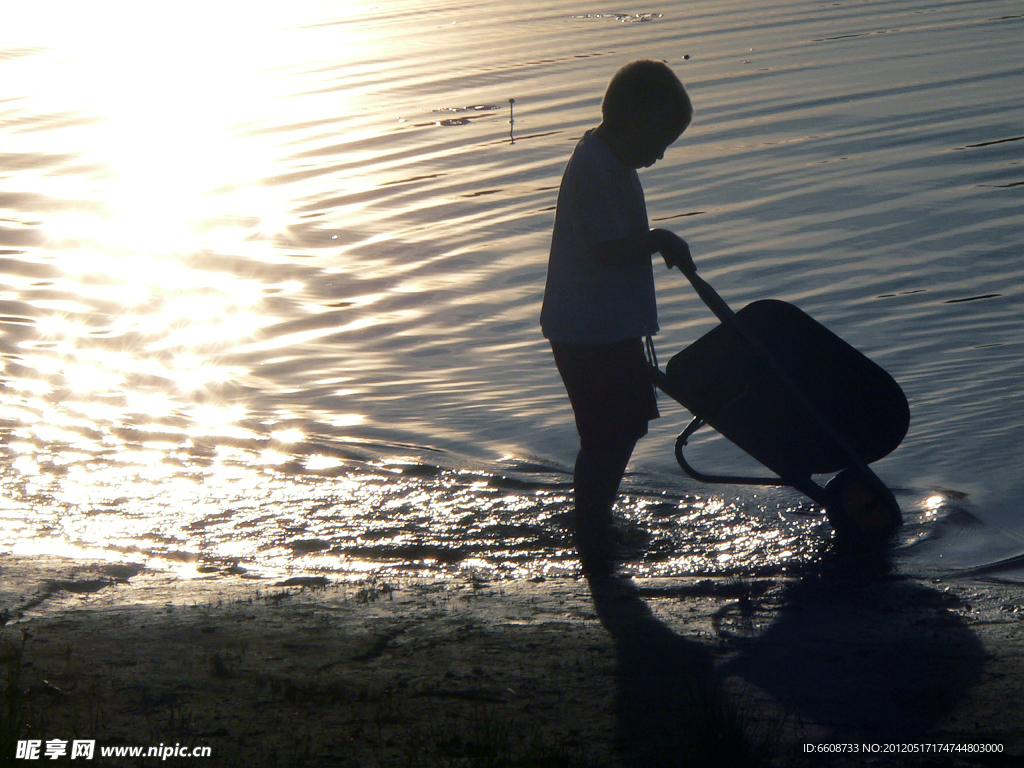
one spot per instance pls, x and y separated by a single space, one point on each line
303 309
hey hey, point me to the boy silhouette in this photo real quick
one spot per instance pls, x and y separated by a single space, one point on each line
599 301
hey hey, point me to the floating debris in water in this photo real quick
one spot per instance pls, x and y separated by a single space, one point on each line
473 108
625 18
463 120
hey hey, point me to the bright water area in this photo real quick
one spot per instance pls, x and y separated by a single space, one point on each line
270 272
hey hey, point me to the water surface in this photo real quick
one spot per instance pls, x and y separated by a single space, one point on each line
270 281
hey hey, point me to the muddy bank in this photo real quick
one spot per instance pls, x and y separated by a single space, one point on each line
561 672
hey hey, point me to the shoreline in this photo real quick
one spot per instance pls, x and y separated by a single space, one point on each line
406 671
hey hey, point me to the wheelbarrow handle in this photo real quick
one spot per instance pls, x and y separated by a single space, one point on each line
710 297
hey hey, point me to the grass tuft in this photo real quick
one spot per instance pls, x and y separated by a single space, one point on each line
487 740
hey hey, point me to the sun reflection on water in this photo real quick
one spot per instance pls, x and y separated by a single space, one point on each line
164 182
161 98
245 265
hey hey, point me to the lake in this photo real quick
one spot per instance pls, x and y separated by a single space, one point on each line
271 273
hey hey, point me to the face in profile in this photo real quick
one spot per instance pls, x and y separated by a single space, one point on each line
643 144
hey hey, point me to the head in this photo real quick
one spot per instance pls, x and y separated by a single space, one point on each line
645 109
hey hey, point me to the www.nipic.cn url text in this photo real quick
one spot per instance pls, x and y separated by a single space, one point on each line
85 749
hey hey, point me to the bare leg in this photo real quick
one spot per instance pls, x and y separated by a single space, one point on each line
596 481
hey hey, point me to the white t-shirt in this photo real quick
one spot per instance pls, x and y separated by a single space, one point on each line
600 199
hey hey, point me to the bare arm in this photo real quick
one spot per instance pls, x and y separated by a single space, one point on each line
617 253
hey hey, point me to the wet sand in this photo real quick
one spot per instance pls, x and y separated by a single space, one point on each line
420 672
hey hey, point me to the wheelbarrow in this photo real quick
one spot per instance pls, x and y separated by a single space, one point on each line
799 400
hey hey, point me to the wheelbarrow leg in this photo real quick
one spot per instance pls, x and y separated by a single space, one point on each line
861 510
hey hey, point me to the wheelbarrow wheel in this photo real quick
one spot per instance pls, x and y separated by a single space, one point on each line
859 511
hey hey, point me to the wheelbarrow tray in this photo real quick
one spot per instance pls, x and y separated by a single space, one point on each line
727 384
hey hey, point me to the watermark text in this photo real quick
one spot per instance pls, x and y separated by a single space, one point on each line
86 749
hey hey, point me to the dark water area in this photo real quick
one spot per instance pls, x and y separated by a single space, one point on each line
273 306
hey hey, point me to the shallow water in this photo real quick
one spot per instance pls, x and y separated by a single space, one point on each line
272 304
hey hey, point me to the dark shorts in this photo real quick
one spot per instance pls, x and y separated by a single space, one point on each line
610 389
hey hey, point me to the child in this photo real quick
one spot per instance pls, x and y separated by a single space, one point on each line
599 300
